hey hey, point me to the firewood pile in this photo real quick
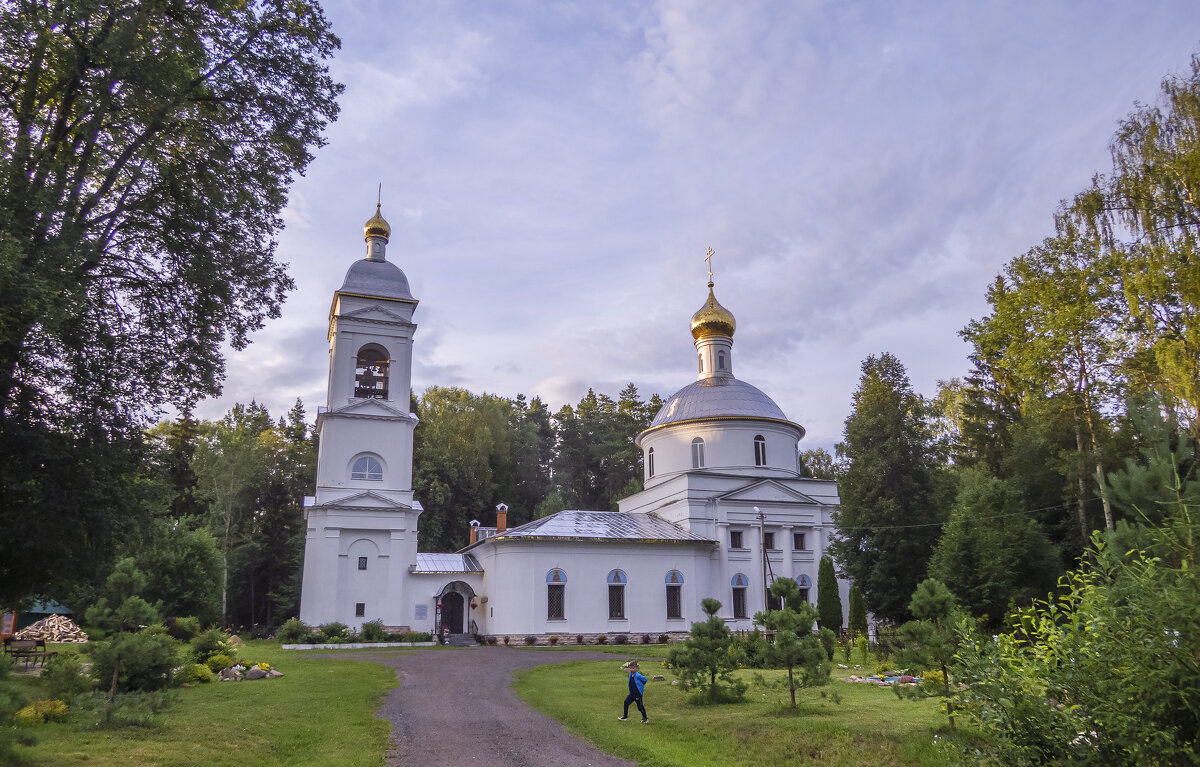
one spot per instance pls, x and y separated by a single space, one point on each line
55 628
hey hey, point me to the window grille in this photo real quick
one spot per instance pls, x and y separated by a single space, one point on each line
769 541
556 602
735 539
674 601
616 602
362 563
739 603
798 542
360 609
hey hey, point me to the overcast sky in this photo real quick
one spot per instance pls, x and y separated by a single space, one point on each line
554 171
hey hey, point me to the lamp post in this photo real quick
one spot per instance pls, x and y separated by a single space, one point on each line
762 550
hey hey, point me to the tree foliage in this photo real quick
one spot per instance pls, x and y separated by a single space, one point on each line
888 521
708 658
829 602
858 613
795 646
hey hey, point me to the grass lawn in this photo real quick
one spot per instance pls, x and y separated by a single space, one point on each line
871 726
320 713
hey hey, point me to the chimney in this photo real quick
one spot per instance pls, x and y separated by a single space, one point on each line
501 518
474 531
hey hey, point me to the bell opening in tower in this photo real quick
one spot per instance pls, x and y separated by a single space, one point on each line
371 373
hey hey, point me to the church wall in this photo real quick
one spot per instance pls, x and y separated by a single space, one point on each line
515 584
728 448
345 438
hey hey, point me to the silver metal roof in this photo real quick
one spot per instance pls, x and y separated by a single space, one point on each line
602 525
377 278
446 563
717 396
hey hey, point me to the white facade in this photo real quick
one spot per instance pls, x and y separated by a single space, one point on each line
722 479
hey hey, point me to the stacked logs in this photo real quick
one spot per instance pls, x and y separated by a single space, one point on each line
55 628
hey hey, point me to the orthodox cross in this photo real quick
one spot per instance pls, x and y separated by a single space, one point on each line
708 259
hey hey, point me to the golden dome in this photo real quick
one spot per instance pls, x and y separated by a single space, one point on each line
712 319
376 226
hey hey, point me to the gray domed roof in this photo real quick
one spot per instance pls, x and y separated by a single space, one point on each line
717 397
381 279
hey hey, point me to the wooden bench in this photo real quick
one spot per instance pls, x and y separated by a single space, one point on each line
27 651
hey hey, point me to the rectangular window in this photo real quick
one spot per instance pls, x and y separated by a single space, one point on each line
674 601
769 540
555 602
616 602
735 539
360 609
739 603
804 594
362 563
798 542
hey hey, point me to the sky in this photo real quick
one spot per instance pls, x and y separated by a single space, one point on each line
554 172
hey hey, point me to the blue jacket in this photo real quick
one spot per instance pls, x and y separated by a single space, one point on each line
636 679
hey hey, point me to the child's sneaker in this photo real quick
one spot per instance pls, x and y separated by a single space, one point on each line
645 721
622 719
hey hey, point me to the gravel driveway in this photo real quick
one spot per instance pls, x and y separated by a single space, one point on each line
456 707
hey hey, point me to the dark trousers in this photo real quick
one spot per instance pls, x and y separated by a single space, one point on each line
634 698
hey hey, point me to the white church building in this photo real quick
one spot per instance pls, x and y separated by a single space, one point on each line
724 513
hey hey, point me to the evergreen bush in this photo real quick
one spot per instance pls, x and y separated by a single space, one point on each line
195 673
64 677
210 643
829 602
858 613
293 631
142 661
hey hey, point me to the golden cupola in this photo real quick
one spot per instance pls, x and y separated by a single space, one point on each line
376 226
712 319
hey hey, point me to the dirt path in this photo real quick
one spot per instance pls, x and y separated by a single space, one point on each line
456 707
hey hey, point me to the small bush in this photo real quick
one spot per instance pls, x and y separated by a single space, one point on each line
373 631
506 641
293 631
531 640
210 643
602 639
621 639
218 662
313 638
64 677
663 639
184 629
41 712
579 639
645 639
195 673
491 640
146 660
553 641
94 711
334 630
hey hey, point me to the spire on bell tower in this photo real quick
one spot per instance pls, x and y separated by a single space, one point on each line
712 328
376 232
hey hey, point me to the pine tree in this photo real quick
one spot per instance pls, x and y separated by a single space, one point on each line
829 603
887 522
858 613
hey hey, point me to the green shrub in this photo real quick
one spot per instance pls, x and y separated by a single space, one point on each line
218 662
293 631
195 673
602 639
184 629
40 712
146 660
531 640
373 631
210 643
621 639
334 630
663 639
64 677
553 640
94 711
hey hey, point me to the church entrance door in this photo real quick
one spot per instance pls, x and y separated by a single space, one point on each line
452 612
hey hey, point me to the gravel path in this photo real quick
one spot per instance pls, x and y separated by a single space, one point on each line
456 707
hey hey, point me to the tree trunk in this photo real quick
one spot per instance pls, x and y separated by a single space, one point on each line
1083 525
949 703
792 686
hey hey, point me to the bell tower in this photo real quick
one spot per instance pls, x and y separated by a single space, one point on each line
361 533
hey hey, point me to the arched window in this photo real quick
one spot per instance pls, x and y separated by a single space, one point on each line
674 594
556 597
367 467
760 450
805 584
697 453
371 373
720 360
650 462
616 595
740 583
